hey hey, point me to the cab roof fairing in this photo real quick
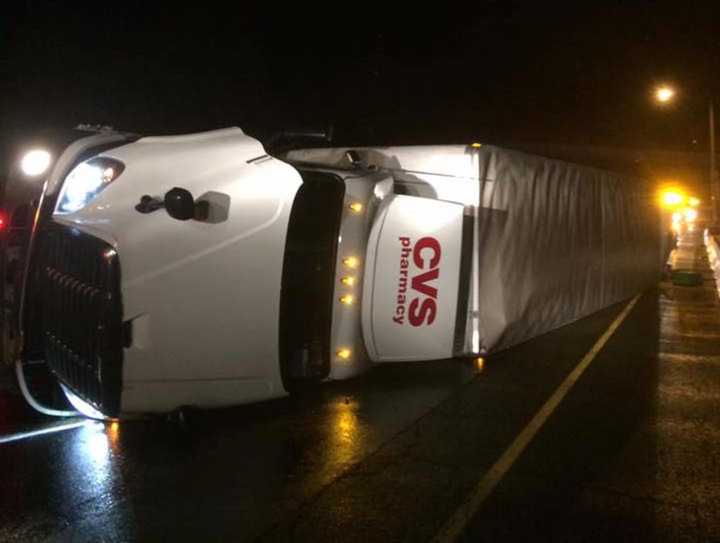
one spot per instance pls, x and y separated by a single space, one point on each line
439 172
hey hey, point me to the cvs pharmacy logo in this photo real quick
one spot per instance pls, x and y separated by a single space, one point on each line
420 265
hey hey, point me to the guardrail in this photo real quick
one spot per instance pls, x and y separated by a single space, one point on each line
713 251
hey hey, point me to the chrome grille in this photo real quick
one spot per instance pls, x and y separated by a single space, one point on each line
80 314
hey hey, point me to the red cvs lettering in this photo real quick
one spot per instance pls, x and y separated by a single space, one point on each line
422 308
427 252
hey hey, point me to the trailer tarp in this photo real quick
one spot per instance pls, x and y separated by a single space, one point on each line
556 242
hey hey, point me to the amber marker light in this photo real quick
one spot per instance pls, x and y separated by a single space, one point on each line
480 363
348 280
356 207
348 299
351 262
476 145
693 202
343 354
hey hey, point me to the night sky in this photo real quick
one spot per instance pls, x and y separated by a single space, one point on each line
489 71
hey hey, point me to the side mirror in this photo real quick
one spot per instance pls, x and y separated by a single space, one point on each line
180 204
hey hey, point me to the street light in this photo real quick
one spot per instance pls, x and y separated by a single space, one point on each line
35 162
672 198
665 94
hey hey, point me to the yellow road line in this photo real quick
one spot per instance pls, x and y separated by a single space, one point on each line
455 526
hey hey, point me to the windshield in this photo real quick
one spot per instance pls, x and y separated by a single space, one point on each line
306 299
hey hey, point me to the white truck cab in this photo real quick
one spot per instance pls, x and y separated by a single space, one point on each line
287 271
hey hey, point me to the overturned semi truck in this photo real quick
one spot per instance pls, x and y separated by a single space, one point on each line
199 270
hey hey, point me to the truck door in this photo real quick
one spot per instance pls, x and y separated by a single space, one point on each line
410 295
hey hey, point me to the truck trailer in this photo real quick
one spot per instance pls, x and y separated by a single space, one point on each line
202 270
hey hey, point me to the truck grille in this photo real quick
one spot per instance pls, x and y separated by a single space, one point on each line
80 314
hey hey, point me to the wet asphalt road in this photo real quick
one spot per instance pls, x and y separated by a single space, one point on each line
630 454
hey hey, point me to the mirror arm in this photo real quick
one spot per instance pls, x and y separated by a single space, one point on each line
148 204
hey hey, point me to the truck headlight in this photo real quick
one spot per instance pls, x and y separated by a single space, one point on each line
86 181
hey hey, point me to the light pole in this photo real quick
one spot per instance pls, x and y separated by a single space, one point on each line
713 182
664 95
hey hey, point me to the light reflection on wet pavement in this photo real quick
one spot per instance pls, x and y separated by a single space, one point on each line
389 456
